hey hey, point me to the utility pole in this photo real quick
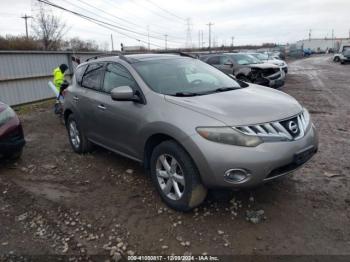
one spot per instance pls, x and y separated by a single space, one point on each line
210 25
202 39
166 40
232 38
333 39
25 17
310 31
112 42
149 48
199 38
188 33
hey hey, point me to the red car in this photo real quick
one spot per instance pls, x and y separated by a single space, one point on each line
11 133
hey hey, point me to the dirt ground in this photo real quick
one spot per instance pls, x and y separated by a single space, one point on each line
55 202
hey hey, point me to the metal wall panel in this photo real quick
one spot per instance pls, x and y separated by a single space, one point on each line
24 75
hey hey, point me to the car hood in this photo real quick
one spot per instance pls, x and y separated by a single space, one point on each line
252 105
263 66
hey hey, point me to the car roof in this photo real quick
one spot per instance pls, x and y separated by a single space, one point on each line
135 58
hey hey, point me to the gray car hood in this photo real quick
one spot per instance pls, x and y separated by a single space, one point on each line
252 105
263 65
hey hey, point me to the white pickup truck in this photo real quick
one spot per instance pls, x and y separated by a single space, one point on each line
339 57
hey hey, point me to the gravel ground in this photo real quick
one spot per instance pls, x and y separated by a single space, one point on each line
55 202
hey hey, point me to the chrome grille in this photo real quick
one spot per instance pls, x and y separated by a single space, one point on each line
279 129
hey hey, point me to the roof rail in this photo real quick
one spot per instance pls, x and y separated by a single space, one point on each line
102 55
122 57
119 54
176 53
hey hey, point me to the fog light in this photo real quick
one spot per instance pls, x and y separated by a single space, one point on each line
236 175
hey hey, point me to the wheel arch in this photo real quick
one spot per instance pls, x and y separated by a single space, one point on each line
66 114
152 142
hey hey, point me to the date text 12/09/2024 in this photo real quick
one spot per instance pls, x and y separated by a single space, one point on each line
173 258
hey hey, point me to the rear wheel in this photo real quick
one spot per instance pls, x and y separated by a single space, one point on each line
176 177
244 79
14 155
77 138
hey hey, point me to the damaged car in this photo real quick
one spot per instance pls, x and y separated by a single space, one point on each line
247 68
271 60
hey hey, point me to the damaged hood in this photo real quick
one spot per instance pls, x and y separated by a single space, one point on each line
252 105
263 66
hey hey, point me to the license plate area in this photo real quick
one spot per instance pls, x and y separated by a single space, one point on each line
303 156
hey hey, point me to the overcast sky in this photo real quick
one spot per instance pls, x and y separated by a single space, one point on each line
249 21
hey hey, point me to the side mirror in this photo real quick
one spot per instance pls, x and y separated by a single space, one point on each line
124 93
229 63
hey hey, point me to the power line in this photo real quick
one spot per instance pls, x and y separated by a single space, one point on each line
134 16
114 16
166 11
93 20
114 24
154 12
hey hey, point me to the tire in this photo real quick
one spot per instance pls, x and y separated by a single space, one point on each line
244 79
77 138
336 59
15 155
184 172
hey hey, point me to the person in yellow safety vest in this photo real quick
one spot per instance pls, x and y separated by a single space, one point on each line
58 76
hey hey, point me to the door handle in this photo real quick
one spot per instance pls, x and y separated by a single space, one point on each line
75 98
102 107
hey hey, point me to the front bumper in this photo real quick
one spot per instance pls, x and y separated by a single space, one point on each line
11 138
345 59
275 80
263 163
285 69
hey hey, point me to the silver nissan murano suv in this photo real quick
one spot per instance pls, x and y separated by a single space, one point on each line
192 127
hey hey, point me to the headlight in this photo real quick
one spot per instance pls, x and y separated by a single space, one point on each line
307 117
227 135
6 115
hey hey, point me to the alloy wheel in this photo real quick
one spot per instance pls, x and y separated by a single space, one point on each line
74 134
170 176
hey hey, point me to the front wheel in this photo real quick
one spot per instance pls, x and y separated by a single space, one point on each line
244 79
77 138
336 59
176 177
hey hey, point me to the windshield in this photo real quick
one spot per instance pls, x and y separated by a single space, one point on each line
184 77
260 56
244 59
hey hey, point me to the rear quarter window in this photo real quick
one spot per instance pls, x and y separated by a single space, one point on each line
79 72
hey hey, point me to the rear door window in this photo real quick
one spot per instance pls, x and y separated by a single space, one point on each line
215 60
93 76
225 60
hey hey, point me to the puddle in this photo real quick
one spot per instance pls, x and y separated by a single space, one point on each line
51 191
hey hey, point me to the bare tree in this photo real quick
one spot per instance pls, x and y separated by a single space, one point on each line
77 44
49 29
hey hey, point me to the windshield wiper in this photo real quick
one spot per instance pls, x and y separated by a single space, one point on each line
183 94
224 89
